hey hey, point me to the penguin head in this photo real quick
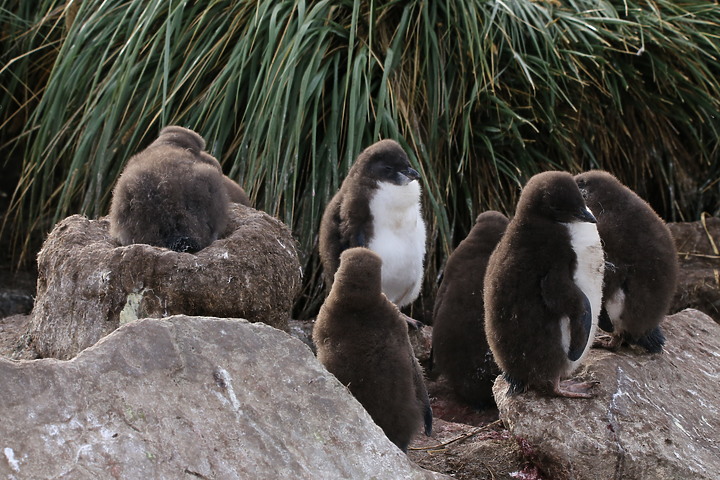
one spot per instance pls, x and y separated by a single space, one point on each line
597 184
204 157
182 138
359 274
386 161
556 196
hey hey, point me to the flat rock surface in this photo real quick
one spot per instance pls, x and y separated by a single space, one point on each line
189 397
654 417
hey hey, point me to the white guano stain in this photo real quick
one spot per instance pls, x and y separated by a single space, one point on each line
10 455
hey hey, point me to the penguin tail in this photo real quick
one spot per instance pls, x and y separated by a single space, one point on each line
428 416
514 386
652 342
183 244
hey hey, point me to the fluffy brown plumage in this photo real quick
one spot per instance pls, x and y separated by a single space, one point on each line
543 287
642 267
361 338
236 192
460 350
170 195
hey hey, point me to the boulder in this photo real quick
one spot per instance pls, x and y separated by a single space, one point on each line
88 285
655 416
17 292
699 279
189 397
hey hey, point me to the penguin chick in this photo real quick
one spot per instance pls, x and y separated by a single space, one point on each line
362 339
642 267
378 207
543 288
170 196
460 350
235 192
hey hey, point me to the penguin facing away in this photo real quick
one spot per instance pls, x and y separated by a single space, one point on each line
169 195
460 350
642 267
236 193
362 340
378 207
543 288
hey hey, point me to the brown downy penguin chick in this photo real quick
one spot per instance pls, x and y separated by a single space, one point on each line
642 268
236 192
460 350
378 207
362 339
543 288
170 195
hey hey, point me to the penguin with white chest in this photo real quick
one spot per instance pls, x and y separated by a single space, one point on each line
361 338
543 288
378 207
642 267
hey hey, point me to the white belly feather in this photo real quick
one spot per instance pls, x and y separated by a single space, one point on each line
399 238
588 275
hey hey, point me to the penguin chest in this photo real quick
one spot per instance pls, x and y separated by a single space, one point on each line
399 239
589 271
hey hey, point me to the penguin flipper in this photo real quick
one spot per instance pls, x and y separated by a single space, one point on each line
580 326
422 395
604 321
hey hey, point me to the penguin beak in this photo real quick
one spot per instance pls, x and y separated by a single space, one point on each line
412 174
586 216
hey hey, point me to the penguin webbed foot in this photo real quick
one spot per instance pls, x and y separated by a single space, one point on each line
572 388
412 323
608 342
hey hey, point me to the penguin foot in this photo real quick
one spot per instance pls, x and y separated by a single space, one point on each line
412 323
609 342
574 388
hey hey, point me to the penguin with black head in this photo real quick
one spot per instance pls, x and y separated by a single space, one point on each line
361 338
543 288
642 267
378 207
170 195
460 351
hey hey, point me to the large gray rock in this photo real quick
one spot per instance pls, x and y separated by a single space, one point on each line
189 397
655 416
699 278
89 285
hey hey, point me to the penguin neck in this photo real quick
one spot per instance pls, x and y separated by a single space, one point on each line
395 205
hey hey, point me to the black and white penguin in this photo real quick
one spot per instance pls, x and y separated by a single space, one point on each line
170 195
642 267
460 351
378 207
362 339
543 288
